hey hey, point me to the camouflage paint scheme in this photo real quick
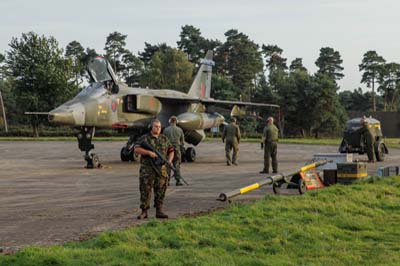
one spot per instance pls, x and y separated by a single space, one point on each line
108 103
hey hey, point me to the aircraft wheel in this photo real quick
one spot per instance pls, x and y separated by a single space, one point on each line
124 157
190 154
96 161
379 151
134 157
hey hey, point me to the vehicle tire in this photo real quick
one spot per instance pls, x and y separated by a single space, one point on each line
302 186
343 147
276 188
124 157
379 151
190 154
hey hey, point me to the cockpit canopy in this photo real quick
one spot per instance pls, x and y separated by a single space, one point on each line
100 70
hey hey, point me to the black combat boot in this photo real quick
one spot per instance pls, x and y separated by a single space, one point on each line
143 215
264 172
160 214
178 181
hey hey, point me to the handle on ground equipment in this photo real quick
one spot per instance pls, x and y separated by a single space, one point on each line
270 180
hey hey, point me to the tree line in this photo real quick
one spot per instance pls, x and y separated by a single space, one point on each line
36 74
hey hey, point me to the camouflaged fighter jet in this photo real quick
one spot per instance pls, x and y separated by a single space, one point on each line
108 103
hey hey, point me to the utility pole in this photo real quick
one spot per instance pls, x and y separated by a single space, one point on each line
4 112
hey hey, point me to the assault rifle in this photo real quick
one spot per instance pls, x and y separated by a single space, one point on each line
160 160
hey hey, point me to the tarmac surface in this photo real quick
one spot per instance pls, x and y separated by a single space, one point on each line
48 197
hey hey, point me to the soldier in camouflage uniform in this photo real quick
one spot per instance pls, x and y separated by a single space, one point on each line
153 176
270 143
368 137
177 139
231 137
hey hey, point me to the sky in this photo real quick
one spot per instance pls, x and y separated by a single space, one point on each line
299 27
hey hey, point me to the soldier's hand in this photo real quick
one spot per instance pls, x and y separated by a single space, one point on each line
152 154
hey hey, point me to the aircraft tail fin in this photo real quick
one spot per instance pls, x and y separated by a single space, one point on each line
201 86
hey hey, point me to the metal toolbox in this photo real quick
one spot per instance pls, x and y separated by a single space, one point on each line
390 170
333 159
348 172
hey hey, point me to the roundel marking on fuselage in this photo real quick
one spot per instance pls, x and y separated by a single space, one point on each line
114 105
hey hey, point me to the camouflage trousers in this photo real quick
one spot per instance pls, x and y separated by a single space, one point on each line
270 151
176 162
229 146
150 180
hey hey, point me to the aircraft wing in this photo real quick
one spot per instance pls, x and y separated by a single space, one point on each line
238 103
179 99
211 101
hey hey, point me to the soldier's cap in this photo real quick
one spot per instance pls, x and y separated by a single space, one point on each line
270 119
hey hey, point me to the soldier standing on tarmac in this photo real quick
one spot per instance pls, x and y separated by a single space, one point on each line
232 136
269 142
177 139
369 138
153 176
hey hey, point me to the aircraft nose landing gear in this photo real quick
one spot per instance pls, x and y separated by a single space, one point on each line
85 144
92 160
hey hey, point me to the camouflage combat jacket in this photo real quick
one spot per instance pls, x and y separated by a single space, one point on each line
161 144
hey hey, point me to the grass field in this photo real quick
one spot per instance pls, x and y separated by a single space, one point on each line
341 225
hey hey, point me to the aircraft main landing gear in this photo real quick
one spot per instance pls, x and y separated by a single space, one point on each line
127 153
85 144
188 155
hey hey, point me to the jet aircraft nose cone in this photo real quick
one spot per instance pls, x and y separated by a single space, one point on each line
68 114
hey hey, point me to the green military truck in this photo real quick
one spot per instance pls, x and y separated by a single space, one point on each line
353 140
